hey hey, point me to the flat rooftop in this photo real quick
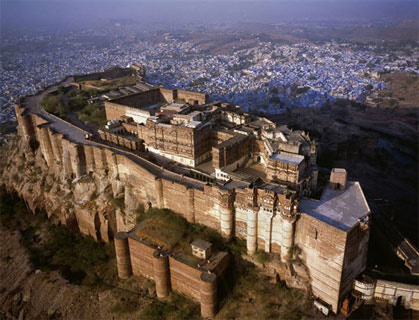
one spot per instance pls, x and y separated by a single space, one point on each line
176 107
339 208
277 188
232 184
202 244
236 139
286 157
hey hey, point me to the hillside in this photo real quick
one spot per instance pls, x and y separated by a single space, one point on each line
402 89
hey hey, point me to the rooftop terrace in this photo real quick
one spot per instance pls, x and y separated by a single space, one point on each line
286 157
339 208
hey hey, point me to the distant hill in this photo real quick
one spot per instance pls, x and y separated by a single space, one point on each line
407 30
402 90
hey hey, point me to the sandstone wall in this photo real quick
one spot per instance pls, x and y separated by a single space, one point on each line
191 97
395 292
168 272
174 197
207 207
141 99
114 110
141 258
126 141
240 223
231 151
355 257
184 278
323 249
167 95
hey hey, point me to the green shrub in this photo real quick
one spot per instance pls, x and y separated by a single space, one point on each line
118 202
13 212
77 103
93 113
237 247
127 303
53 103
76 257
176 307
155 311
262 256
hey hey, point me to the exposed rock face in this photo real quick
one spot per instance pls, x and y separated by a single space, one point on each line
86 203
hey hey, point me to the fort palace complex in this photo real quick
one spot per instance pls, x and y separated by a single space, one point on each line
221 167
258 175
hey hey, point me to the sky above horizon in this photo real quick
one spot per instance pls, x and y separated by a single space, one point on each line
65 14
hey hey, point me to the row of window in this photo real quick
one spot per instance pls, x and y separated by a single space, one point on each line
269 201
177 149
183 160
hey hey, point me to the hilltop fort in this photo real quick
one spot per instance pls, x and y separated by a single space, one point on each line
215 165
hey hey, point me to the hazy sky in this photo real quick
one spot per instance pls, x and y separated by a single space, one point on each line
67 14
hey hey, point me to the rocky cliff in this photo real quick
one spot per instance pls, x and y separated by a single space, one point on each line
93 203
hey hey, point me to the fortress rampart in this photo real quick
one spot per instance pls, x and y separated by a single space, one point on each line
248 213
169 272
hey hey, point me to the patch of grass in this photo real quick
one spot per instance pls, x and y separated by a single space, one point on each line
118 202
93 113
237 247
53 103
156 223
74 255
127 303
262 256
111 84
54 247
246 293
177 306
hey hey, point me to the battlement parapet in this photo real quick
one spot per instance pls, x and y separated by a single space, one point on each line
138 256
